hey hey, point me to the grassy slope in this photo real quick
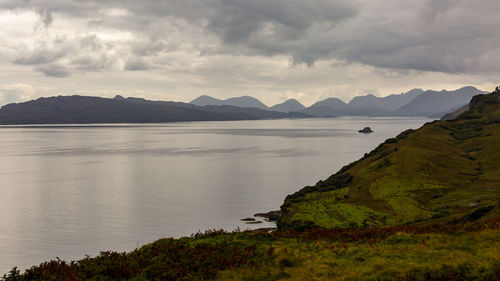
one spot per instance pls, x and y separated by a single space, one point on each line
401 255
441 172
467 251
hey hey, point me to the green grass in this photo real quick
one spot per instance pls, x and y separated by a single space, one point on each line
400 256
464 251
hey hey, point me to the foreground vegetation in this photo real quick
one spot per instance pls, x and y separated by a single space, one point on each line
466 251
422 206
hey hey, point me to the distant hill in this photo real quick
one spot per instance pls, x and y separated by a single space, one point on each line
288 106
82 110
366 101
206 100
333 107
446 171
321 111
389 103
244 101
433 103
333 103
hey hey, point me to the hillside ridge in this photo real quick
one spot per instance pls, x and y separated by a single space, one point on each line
444 171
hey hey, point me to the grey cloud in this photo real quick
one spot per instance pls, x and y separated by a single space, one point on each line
10 96
92 62
278 27
457 40
243 25
73 7
93 54
46 17
147 48
53 70
137 63
451 36
434 8
61 56
237 20
46 52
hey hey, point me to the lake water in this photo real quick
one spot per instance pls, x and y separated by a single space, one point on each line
67 191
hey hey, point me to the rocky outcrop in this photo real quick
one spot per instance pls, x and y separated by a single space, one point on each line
366 130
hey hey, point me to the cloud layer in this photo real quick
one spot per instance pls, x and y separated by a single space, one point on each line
202 39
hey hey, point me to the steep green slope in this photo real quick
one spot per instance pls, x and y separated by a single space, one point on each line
444 171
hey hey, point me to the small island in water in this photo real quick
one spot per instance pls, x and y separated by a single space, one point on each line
366 130
424 205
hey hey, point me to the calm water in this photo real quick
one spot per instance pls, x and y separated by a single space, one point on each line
67 191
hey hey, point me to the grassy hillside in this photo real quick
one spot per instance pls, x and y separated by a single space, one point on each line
466 251
442 172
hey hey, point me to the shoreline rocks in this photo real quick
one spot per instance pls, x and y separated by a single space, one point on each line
262 230
270 216
253 222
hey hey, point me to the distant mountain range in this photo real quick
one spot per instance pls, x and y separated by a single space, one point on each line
246 101
82 109
416 102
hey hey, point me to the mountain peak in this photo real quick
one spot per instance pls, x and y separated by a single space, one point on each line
334 103
468 88
363 101
243 101
204 100
248 98
291 101
414 91
288 106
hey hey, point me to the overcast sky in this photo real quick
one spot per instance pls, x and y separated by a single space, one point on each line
269 49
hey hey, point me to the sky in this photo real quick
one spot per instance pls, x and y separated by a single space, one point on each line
269 49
